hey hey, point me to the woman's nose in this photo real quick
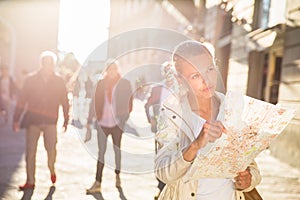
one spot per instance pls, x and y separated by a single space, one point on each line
205 79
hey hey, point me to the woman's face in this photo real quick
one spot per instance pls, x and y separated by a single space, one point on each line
200 73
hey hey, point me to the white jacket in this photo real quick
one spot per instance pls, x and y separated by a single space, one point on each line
175 132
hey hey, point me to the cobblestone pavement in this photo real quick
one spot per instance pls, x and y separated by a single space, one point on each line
76 166
279 180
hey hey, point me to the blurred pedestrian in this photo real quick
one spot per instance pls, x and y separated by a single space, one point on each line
159 93
112 104
8 93
42 94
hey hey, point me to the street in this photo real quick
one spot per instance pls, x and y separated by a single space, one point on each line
76 167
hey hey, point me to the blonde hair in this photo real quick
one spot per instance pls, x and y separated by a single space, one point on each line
108 63
189 48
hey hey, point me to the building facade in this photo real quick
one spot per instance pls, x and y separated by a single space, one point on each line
256 43
258 47
26 29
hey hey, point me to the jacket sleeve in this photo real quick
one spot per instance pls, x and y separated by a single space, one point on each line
256 177
129 91
97 99
91 114
22 100
13 88
169 163
148 104
65 102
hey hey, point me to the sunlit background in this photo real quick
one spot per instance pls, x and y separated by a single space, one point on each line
83 25
256 43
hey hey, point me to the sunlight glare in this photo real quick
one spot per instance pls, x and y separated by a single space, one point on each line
83 25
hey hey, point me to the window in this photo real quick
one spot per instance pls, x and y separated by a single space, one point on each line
261 14
265 13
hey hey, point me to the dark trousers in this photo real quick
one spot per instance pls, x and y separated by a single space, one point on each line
161 184
102 135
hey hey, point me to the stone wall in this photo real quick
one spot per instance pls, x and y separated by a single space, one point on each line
287 145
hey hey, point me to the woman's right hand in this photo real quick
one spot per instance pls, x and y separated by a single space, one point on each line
211 131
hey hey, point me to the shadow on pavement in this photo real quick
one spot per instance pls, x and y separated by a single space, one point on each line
122 196
12 146
129 129
98 196
27 194
51 192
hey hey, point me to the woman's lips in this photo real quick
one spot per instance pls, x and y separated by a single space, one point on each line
207 89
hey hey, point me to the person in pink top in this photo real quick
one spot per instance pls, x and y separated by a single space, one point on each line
111 106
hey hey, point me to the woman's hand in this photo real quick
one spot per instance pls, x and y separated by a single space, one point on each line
243 179
211 131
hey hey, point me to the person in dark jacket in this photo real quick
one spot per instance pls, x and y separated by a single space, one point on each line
158 95
112 104
42 94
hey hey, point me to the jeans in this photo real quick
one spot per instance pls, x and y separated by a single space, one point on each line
103 133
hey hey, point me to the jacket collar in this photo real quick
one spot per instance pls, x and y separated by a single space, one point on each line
181 114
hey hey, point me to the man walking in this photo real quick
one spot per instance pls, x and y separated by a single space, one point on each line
42 94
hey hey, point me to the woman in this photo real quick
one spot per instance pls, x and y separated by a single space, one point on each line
112 104
188 124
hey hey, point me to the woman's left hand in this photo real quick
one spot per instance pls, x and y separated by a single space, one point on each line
243 180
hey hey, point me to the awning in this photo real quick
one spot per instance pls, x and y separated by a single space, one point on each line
261 39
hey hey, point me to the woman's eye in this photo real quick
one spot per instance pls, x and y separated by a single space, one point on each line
195 76
211 68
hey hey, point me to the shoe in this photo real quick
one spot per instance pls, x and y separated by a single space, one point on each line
118 181
96 187
53 178
26 186
157 196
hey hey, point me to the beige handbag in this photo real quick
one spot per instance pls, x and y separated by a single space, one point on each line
252 195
